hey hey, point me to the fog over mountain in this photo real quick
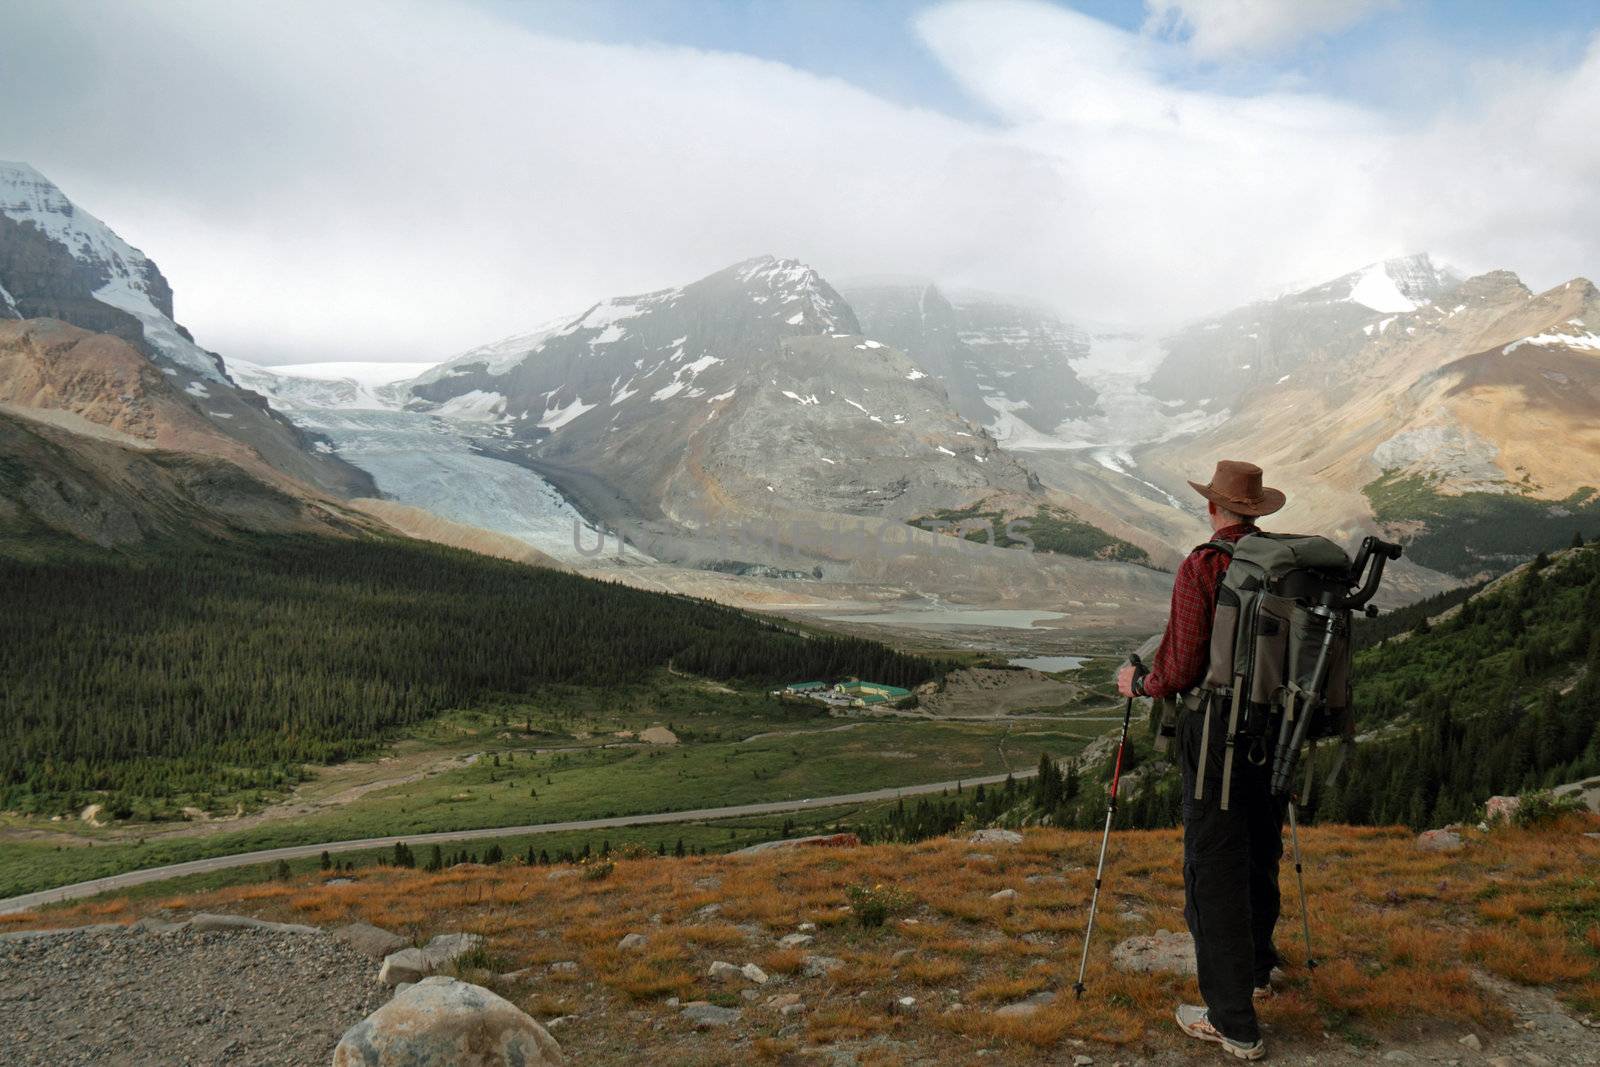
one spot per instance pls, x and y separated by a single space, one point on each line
401 181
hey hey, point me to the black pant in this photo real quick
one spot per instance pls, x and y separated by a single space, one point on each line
1230 875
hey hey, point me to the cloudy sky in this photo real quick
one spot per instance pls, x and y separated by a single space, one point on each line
401 181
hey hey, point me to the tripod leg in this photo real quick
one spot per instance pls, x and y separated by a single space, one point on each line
1300 880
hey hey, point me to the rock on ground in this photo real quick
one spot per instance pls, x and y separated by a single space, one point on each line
1160 953
444 1022
1440 841
247 996
1024 1008
818 966
995 837
371 941
704 1015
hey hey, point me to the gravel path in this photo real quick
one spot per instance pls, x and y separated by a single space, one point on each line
238 997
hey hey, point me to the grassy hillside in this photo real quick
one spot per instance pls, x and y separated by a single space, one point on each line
1500 698
1469 533
1049 528
186 676
1417 948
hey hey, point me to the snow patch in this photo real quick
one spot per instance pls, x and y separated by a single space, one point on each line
1374 288
475 404
557 417
1567 340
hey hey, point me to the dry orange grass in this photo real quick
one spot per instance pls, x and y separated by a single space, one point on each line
1401 933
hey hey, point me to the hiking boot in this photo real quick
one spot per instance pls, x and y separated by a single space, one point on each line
1192 1020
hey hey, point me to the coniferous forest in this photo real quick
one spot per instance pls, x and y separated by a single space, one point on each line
226 666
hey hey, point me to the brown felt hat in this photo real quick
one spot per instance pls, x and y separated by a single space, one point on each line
1237 487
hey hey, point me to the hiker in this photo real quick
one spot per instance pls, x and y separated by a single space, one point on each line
1231 849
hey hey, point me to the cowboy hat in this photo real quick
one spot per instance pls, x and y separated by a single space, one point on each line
1237 487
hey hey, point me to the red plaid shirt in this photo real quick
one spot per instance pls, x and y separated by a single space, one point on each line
1180 663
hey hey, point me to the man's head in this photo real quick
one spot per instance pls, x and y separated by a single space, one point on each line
1235 494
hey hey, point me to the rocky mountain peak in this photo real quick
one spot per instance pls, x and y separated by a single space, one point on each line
59 261
934 305
816 305
1494 286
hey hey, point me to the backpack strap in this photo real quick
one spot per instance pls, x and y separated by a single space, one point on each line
1226 548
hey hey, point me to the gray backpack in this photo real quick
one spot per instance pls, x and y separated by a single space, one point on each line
1280 652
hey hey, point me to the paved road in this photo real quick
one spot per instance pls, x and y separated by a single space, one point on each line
293 852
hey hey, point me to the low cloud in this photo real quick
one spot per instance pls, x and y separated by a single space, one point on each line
398 181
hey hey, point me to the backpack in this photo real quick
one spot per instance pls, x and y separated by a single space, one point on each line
1280 654
1279 659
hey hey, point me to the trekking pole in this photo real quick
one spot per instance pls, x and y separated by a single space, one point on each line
1300 879
1105 839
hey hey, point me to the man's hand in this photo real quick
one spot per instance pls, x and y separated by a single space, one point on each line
1125 678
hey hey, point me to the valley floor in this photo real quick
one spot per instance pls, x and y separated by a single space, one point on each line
1486 956
571 755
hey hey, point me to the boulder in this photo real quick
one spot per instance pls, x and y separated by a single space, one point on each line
1501 809
843 840
995 837
633 943
723 971
1159 953
407 965
795 940
1006 895
754 974
205 922
705 1015
442 1022
1440 841
369 940
445 949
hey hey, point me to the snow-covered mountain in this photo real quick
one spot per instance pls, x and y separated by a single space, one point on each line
1006 364
1211 363
57 261
750 388
104 268
1471 413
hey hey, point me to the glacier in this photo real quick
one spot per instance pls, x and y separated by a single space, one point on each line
423 459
